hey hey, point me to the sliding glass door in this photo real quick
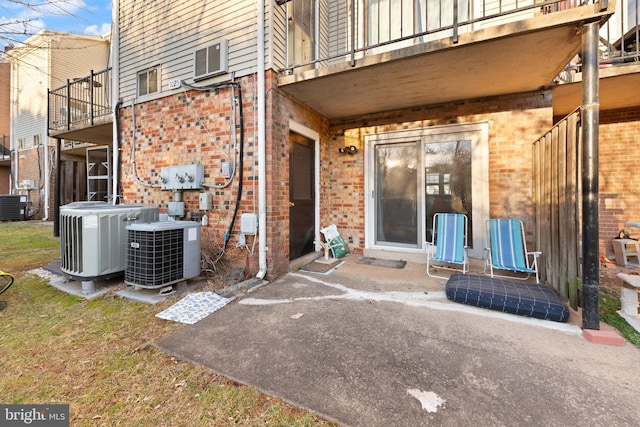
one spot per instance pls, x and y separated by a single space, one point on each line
412 175
397 210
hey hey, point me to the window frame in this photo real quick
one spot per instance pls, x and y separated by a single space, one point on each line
478 133
147 72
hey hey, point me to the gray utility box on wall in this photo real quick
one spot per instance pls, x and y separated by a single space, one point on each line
93 237
162 253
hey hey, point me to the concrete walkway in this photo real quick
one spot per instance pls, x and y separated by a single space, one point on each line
374 346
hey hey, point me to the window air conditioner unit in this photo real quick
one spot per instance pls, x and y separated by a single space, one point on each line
210 61
162 253
93 237
13 207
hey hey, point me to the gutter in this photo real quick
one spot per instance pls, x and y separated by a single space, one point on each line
115 87
262 170
47 167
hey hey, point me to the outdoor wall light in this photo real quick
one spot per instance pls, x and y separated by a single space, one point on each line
351 149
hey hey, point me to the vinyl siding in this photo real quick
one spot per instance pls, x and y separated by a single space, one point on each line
339 37
166 33
323 23
74 57
278 37
30 79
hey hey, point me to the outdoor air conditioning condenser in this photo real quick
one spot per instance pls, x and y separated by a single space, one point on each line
13 207
162 253
93 237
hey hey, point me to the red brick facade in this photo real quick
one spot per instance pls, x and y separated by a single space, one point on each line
189 128
169 134
619 168
5 123
514 122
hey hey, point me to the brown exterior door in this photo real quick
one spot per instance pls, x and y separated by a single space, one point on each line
301 196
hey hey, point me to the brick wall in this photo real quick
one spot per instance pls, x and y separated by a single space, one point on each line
283 109
4 180
5 123
189 128
619 174
515 121
169 133
5 90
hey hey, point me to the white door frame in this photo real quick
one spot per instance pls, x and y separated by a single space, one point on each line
314 136
478 132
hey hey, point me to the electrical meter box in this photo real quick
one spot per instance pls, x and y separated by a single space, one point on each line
185 177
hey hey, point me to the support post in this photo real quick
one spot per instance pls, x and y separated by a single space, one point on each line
590 111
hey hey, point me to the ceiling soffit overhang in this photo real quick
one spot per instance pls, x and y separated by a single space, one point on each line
510 58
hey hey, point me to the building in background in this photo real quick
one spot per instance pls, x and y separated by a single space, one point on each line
5 125
46 60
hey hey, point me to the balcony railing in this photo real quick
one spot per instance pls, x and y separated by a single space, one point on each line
81 102
619 36
348 33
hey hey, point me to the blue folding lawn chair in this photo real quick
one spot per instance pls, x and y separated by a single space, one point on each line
449 242
508 249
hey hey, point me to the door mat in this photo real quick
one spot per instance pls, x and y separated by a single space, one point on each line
194 307
321 266
382 262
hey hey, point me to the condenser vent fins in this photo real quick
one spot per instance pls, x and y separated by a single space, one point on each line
154 258
162 253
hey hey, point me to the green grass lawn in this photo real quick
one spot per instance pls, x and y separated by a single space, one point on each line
609 305
98 355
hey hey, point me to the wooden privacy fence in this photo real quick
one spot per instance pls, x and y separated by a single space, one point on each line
556 204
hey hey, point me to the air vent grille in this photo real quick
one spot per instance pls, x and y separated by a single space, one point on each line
71 255
93 237
13 207
154 258
162 253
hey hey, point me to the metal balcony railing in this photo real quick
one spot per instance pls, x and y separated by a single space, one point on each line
349 31
80 102
619 35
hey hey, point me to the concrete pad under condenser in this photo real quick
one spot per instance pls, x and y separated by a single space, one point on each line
154 296
82 289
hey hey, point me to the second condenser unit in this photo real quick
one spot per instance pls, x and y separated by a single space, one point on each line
162 253
13 207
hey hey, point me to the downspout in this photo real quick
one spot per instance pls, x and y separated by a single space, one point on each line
115 88
262 170
45 147
56 191
47 186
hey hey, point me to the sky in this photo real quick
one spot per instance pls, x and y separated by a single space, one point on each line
20 19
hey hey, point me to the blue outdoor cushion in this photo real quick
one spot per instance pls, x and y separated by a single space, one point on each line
525 299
